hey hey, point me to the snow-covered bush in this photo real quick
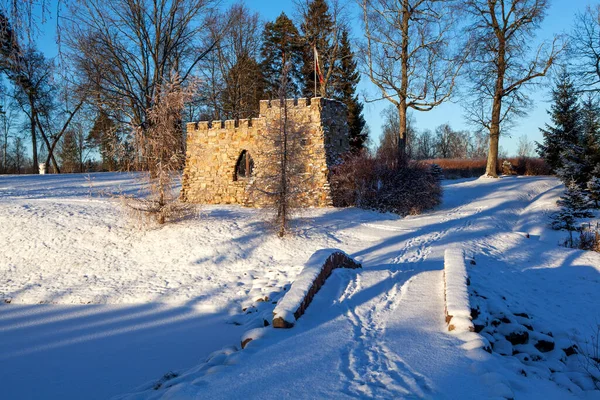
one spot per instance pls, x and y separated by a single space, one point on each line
507 168
365 182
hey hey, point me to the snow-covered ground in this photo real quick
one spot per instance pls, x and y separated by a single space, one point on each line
126 306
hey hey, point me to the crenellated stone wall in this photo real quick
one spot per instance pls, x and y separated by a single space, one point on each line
319 138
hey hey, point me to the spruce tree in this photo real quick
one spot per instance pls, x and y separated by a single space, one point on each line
572 164
244 88
281 46
576 201
104 136
593 187
347 79
69 152
566 120
590 114
318 30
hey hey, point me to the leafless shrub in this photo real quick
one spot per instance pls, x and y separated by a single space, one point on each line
587 238
163 154
284 174
589 356
369 183
536 166
349 179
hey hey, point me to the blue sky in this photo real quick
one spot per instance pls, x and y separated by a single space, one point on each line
559 19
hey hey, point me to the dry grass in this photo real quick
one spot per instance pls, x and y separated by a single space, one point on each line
469 168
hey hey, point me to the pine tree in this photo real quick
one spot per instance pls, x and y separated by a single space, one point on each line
281 46
576 201
346 81
593 186
564 219
69 152
318 30
572 164
591 134
104 136
244 89
566 119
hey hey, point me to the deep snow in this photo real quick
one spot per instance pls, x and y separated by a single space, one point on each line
172 295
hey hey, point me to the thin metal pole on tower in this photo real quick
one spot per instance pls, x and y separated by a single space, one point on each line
315 58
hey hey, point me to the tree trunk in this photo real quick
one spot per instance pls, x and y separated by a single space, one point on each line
492 161
33 137
402 106
403 124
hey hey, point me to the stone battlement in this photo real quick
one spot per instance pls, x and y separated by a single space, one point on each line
223 124
266 108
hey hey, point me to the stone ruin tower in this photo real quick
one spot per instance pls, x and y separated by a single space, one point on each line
226 161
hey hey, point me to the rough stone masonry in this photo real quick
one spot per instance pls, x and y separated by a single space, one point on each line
234 162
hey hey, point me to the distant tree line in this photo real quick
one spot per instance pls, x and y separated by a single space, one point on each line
116 55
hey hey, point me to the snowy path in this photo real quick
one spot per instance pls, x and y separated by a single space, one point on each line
374 333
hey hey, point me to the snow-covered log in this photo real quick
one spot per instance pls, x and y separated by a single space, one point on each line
314 274
458 310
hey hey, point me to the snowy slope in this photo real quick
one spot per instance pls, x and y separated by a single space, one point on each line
376 332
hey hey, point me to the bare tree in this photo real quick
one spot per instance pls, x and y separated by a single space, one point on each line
31 74
480 140
164 154
406 54
8 117
54 123
585 48
450 143
425 145
525 147
125 49
19 158
387 151
283 172
500 66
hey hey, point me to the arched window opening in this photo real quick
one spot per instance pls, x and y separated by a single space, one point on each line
244 166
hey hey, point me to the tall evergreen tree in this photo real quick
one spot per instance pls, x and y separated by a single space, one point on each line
104 136
69 153
590 113
566 120
318 31
347 80
281 46
244 89
593 187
